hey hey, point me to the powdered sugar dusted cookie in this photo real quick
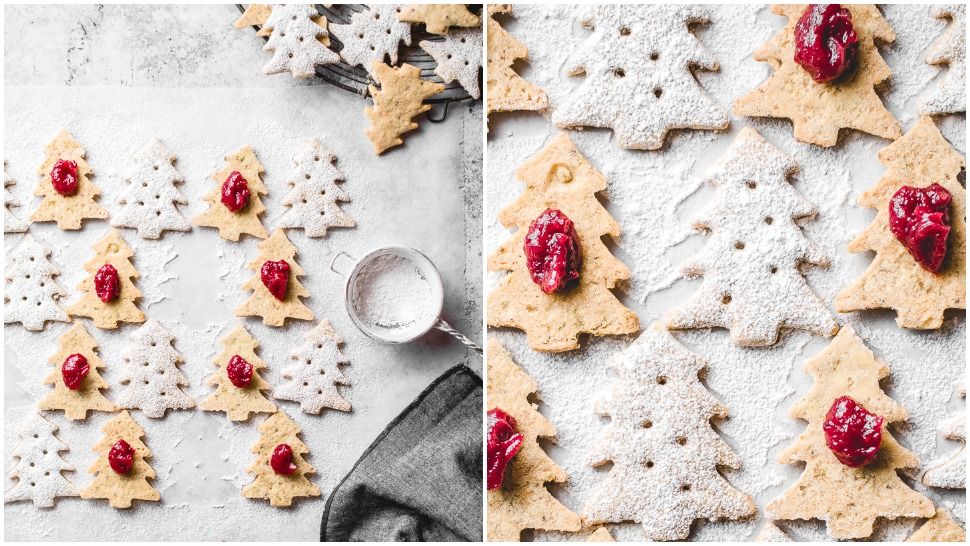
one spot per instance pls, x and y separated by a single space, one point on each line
458 57
819 110
64 158
753 283
638 81
507 91
438 17
76 389
313 379
950 95
951 472
295 42
939 528
31 295
371 35
148 201
396 103
38 470
151 374
11 222
894 279
771 533
313 202
664 451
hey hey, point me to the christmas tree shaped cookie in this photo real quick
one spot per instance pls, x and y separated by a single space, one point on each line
76 381
559 177
295 41
239 387
752 264
31 295
11 222
664 451
37 472
507 91
109 294
313 202
277 292
151 375
819 110
894 279
235 205
523 502
258 15
396 103
313 379
65 185
638 75
438 17
939 528
280 469
121 471
849 499
148 201
950 95
458 57
371 36
951 472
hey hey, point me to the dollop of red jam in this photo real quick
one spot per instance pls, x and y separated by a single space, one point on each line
825 44
552 251
107 285
74 370
502 443
121 457
235 192
852 433
282 460
275 277
64 177
239 371
918 217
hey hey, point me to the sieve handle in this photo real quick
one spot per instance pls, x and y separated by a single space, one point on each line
337 256
445 327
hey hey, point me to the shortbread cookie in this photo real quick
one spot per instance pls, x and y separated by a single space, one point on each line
523 502
313 379
951 473
396 103
231 224
280 489
600 535
110 252
313 202
263 303
894 280
752 263
559 177
939 528
848 499
458 57
950 93
771 533
82 374
67 210
638 65
38 471
239 387
507 91
438 17
148 201
666 475
119 489
32 295
151 375
819 110
295 42
258 14
11 222
372 35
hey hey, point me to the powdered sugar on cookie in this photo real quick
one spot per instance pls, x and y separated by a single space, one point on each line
151 376
295 41
313 379
148 201
313 202
950 49
371 35
458 57
31 295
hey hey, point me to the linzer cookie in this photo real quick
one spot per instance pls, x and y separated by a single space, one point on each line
76 381
109 294
234 204
833 87
920 268
438 17
517 494
851 460
396 103
239 387
277 292
65 185
121 471
280 470
638 80
507 91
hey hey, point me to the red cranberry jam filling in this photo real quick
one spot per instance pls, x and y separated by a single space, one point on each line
121 457
239 371
64 177
282 460
275 277
918 217
107 285
552 251
74 370
825 44
235 192
852 433
503 442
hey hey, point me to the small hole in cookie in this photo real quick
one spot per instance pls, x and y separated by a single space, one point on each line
28 276
316 158
319 345
322 213
624 31
282 34
647 424
47 473
649 464
307 176
661 379
31 258
153 344
685 487
773 270
388 31
300 38
319 391
654 56
44 452
308 362
462 40
304 201
769 220
32 464
294 17
145 364
155 167
290 55
466 63
658 92
681 440
372 48
619 72
35 436
726 299
161 393
158 213
144 184
305 384
145 381
448 56
752 184
377 16
739 245
32 484
38 304
361 36
323 372
141 203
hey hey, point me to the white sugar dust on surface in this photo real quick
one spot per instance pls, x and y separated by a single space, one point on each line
391 295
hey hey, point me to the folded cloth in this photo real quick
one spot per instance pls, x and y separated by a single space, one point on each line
421 479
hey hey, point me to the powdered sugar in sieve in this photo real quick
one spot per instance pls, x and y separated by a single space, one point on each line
390 292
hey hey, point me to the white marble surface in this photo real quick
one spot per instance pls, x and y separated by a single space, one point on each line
117 75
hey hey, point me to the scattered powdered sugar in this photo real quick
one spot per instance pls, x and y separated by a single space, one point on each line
655 195
391 293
